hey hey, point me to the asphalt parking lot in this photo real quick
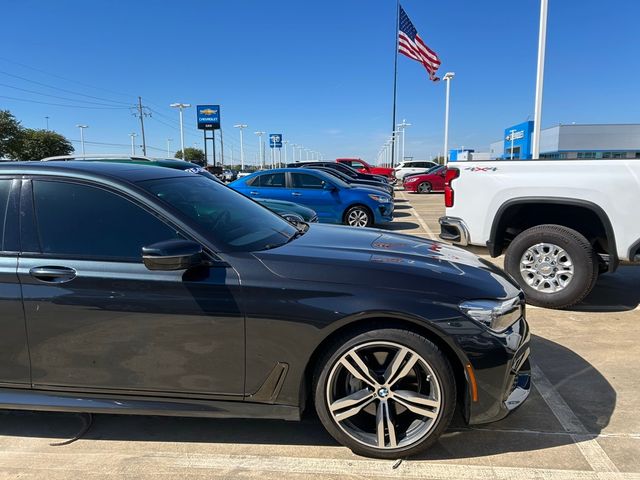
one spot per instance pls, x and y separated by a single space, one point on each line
580 422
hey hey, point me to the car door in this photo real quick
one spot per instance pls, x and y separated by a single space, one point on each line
308 189
270 185
14 353
438 179
97 319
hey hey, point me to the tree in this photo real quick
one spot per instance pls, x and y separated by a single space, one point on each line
37 144
9 132
194 155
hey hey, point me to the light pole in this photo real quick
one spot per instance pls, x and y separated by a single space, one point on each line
47 119
241 127
542 45
300 148
260 148
402 126
133 144
82 127
181 107
169 140
447 78
286 160
293 152
512 135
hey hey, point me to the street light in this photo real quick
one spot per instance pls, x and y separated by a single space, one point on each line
261 148
181 107
169 140
133 145
82 127
241 127
447 78
286 160
402 126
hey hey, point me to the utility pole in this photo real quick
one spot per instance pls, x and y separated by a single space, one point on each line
169 140
47 120
286 160
221 146
133 145
241 126
142 114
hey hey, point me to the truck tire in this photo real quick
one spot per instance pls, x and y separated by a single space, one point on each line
556 266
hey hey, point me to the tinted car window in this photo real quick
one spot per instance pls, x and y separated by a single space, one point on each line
272 180
304 180
87 221
230 220
5 186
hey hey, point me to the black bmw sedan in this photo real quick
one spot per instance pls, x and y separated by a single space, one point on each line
145 290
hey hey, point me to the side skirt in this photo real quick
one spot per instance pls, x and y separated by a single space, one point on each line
48 401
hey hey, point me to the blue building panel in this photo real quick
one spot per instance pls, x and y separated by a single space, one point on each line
522 134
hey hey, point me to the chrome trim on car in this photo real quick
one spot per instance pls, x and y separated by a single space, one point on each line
457 225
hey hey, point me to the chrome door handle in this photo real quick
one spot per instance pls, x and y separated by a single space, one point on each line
254 193
53 274
296 194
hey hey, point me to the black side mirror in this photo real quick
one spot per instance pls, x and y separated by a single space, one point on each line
173 255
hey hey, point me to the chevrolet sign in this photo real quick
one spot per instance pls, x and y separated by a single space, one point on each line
208 117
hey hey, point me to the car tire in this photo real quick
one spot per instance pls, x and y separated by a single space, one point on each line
358 216
408 428
535 253
424 187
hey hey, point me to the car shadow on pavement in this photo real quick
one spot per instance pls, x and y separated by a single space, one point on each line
530 428
613 292
401 225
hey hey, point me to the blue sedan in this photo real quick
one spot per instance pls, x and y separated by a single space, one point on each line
333 200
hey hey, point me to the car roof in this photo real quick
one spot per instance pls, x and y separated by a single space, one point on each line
311 171
118 171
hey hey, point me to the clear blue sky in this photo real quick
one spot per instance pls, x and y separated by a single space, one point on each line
319 72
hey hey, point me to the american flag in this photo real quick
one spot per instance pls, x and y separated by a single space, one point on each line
411 45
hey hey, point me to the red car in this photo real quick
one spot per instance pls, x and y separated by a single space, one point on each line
364 167
432 181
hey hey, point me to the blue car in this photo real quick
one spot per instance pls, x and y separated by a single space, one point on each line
333 200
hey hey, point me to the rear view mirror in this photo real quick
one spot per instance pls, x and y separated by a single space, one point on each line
173 255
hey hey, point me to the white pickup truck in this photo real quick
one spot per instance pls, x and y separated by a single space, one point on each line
560 222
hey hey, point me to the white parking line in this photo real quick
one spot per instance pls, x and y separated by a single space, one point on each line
415 213
256 466
586 442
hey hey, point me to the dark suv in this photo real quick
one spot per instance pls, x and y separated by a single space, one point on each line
147 290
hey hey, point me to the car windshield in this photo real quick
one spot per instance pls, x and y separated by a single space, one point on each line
232 222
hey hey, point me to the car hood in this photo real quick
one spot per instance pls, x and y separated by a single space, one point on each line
378 259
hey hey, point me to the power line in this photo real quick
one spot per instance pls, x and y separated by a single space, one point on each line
63 104
66 79
56 96
62 89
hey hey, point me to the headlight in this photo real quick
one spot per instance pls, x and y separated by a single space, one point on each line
379 198
411 179
494 314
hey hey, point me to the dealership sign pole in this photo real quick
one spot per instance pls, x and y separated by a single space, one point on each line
275 141
542 45
208 120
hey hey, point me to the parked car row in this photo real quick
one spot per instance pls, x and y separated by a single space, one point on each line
334 196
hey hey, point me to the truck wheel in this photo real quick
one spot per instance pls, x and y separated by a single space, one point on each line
555 265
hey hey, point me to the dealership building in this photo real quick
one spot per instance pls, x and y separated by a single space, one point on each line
587 141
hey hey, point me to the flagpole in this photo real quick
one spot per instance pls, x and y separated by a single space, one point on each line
395 83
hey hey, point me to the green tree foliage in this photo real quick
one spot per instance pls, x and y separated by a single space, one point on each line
194 155
37 144
9 131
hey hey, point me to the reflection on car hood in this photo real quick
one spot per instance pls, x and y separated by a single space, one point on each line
379 259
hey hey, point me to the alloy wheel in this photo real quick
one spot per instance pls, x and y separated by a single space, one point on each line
546 268
384 395
358 217
424 187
